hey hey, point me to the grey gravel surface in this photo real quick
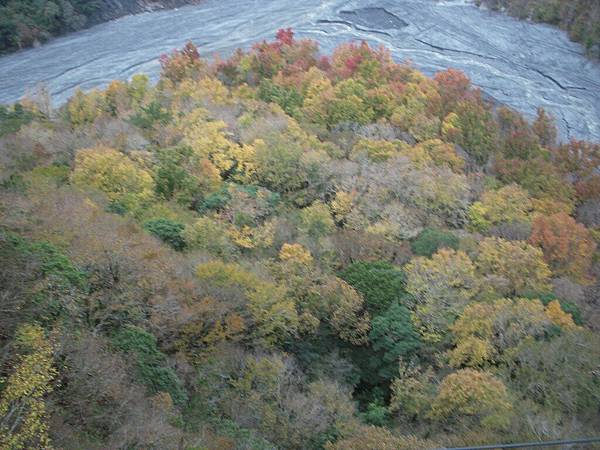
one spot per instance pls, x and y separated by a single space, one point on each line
517 63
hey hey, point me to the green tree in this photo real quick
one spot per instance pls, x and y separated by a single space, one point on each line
380 283
167 231
345 102
152 368
288 98
394 337
85 108
430 240
150 115
413 391
484 331
345 311
174 175
207 233
8 32
508 204
316 220
272 313
472 126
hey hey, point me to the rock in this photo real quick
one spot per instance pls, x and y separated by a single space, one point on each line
407 137
378 18
378 131
588 213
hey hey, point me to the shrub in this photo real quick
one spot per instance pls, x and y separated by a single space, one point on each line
150 361
167 231
11 120
149 115
316 221
288 98
215 200
430 240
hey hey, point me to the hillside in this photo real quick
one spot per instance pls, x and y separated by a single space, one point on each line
580 18
290 250
25 23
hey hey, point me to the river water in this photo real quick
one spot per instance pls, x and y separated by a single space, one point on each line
519 64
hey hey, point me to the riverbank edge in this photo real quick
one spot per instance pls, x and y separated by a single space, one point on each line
112 10
592 52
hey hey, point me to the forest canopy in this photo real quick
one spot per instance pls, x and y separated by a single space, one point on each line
290 250
25 22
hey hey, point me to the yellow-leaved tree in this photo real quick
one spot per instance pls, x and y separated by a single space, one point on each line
209 141
115 174
346 311
85 108
441 154
484 331
441 286
508 204
469 397
273 316
512 267
23 422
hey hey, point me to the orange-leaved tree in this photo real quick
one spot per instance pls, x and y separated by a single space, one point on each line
568 246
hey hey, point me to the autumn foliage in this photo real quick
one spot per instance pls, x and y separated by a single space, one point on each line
567 245
284 249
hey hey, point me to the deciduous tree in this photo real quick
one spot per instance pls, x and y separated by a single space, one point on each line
469 397
507 204
441 286
513 267
567 245
113 173
23 410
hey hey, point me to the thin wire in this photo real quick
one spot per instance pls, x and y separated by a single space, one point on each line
526 444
